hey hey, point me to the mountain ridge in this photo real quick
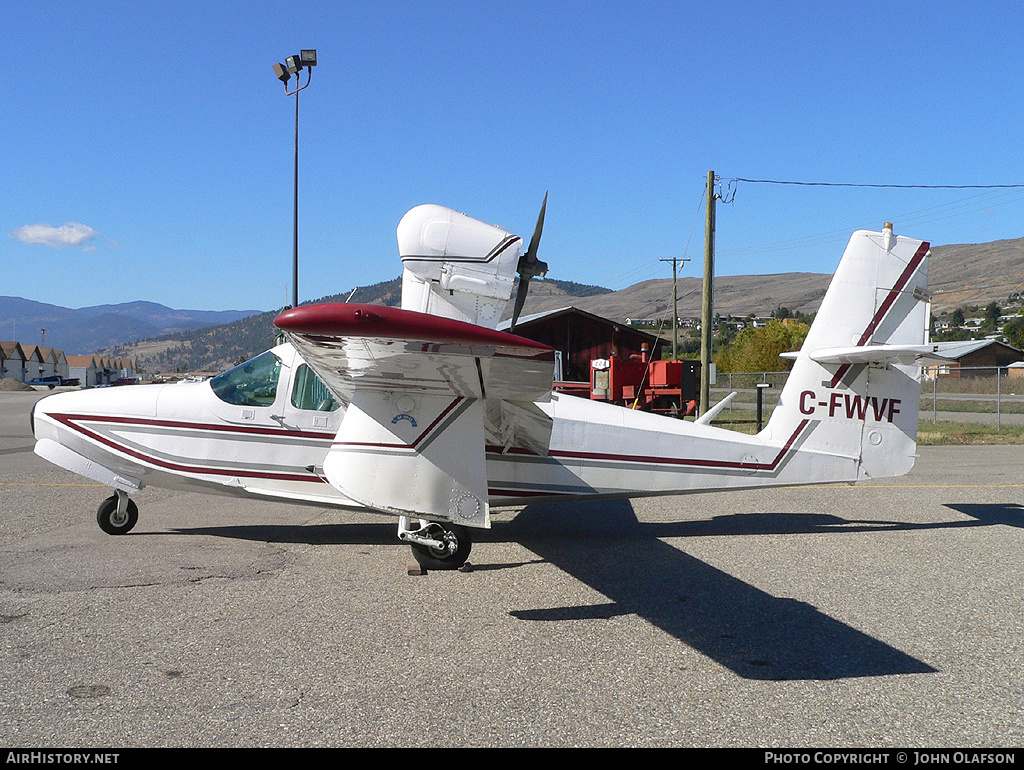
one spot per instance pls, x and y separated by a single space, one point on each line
95 328
960 275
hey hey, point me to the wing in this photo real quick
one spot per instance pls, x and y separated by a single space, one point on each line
425 395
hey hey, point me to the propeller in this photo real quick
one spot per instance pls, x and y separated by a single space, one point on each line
529 266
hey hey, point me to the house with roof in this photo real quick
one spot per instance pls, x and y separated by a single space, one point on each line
974 358
33 362
106 370
12 360
84 369
580 337
126 368
60 364
54 362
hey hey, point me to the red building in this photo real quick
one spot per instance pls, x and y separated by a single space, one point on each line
581 337
629 369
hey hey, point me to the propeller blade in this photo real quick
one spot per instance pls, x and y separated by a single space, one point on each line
531 251
524 285
529 266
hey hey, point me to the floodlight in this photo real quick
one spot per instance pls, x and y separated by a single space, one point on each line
292 66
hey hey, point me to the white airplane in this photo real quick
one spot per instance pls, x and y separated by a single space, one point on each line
430 414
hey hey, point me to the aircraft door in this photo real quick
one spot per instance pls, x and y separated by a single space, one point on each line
310 405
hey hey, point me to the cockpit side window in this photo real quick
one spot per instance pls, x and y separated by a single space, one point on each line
310 392
253 383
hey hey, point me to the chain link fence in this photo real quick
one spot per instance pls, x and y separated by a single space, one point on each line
985 395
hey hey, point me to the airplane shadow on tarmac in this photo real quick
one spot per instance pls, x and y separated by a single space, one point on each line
986 514
602 544
752 633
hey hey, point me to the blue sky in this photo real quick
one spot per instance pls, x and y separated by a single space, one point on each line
158 135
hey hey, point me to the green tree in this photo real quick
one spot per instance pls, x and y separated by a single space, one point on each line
992 314
1014 331
758 349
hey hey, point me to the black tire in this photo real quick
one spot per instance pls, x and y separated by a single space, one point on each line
430 558
106 516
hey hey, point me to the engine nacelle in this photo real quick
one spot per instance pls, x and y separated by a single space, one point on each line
456 266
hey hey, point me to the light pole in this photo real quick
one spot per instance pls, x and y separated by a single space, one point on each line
293 66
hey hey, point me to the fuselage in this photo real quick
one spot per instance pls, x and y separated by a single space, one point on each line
264 429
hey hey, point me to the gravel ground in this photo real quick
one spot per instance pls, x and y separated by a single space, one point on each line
879 615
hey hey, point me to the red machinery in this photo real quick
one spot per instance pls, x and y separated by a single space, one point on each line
669 387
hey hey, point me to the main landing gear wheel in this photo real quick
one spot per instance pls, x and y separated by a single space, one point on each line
114 521
457 543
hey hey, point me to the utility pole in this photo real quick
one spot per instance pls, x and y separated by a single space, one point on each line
675 310
706 320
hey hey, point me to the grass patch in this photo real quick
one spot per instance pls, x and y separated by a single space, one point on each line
737 424
928 433
958 433
981 407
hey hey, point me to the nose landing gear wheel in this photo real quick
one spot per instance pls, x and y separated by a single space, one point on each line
113 522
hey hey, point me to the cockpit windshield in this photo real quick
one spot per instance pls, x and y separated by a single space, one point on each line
253 383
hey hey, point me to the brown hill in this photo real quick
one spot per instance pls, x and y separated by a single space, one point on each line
962 274
736 295
959 275
976 274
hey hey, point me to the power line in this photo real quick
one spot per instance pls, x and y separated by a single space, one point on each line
997 196
891 186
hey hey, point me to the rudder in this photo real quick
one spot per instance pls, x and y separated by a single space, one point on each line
857 375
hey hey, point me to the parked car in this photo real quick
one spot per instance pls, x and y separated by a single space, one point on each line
71 381
51 381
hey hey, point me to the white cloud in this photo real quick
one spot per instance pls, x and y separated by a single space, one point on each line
70 234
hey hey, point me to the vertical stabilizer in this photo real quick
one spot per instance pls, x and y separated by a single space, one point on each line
856 380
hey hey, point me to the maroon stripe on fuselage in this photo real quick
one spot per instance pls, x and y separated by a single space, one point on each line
72 422
206 426
691 462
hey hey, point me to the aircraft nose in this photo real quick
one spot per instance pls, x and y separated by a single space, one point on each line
40 416
77 431
51 415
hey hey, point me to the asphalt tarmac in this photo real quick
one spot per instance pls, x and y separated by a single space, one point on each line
886 614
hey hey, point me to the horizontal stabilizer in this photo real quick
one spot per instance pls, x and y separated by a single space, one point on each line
713 412
876 354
